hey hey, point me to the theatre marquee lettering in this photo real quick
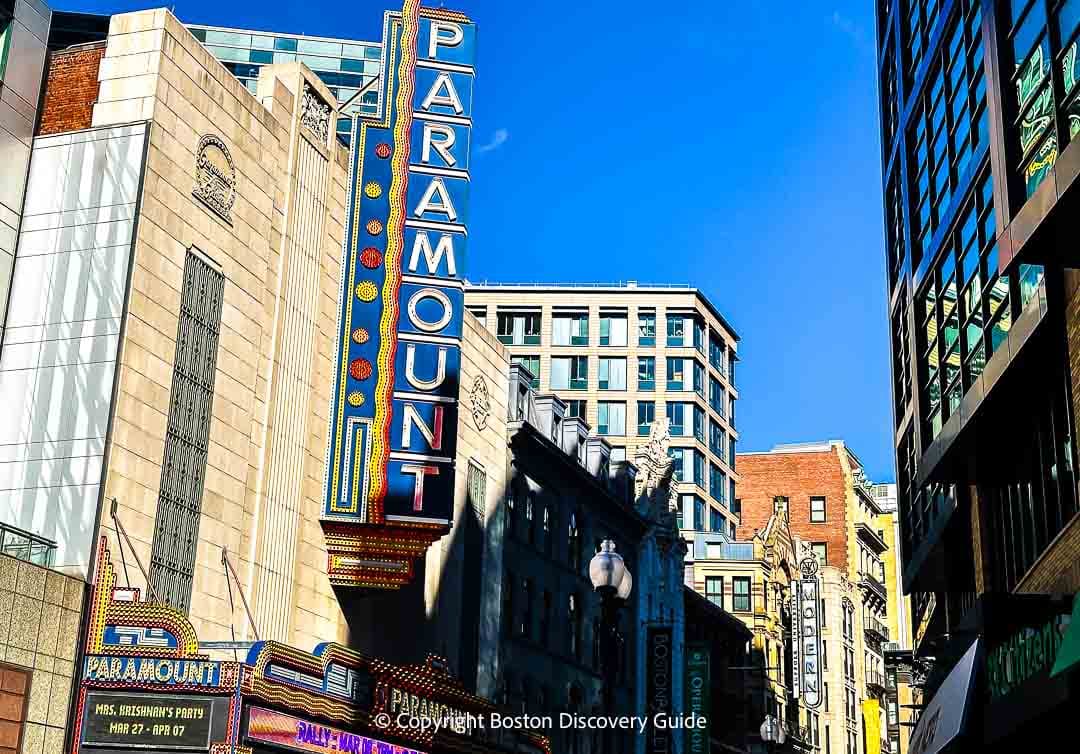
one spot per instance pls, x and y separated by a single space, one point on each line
153 670
148 721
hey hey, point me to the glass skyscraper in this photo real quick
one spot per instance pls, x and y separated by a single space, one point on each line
350 68
980 106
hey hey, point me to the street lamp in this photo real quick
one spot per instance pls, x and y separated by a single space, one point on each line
612 581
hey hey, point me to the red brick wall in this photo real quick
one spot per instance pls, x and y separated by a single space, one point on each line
71 89
796 476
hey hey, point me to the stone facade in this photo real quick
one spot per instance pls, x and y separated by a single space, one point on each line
40 613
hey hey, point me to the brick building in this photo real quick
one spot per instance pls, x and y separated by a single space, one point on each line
833 514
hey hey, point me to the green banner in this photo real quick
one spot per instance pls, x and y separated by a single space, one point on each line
698 701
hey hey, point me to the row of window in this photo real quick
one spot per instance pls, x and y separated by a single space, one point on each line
740 592
537 523
572 373
523 329
531 616
694 513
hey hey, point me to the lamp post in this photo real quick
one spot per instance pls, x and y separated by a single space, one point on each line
612 581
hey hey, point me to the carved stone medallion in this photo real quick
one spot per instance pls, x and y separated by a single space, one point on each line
481 403
215 177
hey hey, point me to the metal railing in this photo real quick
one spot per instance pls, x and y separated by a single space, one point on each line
874 626
22 545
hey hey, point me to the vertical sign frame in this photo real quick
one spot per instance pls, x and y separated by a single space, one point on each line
698 679
393 418
809 632
658 678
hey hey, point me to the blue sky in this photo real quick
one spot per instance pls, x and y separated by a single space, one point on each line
733 146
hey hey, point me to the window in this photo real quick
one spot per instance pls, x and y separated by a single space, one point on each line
817 510
820 551
731 454
530 523
548 523
519 329
699 514
611 418
677 416
731 410
569 373
676 463
699 468
699 337
675 373
612 374
714 590
731 531
576 408
716 521
508 603
481 316
646 372
741 595
716 396
646 328
525 628
717 483
699 379
646 415
573 543
613 329
676 330
187 433
717 439
699 423
716 353
532 363
575 616
5 43
680 516
570 330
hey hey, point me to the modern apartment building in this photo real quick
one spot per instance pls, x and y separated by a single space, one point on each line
832 513
622 356
980 112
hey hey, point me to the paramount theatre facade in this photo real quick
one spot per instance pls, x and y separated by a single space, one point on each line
233 348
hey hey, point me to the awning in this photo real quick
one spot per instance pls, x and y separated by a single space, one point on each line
945 717
1069 653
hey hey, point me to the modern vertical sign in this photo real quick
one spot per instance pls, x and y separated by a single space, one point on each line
698 698
390 460
658 687
807 618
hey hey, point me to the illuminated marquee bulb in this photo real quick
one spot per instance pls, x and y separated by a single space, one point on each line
356 398
382 150
366 291
374 227
372 190
360 336
371 257
360 369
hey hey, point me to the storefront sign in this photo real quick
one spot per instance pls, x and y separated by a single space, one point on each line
1023 655
147 721
394 414
944 718
294 734
807 620
698 697
658 687
152 670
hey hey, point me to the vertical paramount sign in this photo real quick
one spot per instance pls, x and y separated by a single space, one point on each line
806 643
390 470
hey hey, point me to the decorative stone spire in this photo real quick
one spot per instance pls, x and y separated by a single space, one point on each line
656 495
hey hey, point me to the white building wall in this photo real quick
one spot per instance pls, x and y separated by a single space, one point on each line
63 328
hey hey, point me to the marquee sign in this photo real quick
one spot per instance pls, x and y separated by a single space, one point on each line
390 462
297 734
806 647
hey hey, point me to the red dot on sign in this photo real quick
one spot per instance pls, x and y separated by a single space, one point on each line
360 369
382 150
371 257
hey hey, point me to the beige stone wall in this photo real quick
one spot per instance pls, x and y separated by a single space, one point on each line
280 258
40 614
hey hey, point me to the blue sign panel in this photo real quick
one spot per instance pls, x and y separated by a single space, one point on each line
394 415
